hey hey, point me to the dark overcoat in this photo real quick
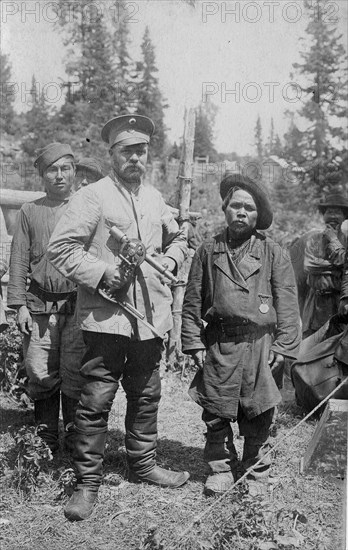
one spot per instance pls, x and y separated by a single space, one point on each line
238 314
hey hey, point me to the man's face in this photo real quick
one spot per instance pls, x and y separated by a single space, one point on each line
334 217
129 162
241 214
59 177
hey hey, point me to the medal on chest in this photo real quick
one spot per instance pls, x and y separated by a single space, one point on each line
264 307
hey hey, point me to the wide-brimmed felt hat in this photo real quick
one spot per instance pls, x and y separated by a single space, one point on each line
334 200
264 209
128 130
50 154
90 168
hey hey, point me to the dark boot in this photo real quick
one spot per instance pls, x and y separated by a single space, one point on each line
221 455
88 459
46 411
69 406
254 450
143 396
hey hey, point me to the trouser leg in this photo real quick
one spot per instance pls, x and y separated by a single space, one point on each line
257 442
219 451
220 454
101 369
46 413
142 384
69 406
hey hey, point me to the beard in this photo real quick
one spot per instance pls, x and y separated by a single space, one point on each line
240 231
131 173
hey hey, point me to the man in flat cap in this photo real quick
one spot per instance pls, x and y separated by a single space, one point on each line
53 344
118 346
88 170
240 320
318 258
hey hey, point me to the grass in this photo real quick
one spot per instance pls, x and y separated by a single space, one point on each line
293 511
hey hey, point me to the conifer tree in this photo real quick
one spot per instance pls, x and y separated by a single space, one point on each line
259 139
7 113
323 69
38 128
149 95
204 131
96 64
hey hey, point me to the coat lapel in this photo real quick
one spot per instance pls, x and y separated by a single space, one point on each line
249 264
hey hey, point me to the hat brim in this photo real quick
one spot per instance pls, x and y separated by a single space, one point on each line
264 209
323 207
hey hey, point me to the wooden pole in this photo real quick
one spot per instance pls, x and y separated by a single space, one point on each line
174 354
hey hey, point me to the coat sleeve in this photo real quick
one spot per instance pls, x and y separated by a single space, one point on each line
19 261
344 288
68 248
288 330
174 240
192 329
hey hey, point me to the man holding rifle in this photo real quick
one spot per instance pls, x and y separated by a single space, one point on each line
116 289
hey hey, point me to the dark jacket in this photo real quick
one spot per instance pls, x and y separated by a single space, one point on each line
248 310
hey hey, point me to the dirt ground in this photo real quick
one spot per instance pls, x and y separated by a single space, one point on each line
291 511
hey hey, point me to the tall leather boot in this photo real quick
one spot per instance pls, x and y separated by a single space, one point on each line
69 406
46 411
141 432
88 459
91 424
221 455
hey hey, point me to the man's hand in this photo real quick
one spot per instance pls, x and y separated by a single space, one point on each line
24 320
198 356
343 307
169 264
275 360
113 278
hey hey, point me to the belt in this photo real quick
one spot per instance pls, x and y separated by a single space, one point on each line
327 292
227 328
245 326
47 296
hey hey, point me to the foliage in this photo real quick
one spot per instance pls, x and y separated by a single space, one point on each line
7 96
32 454
259 138
13 379
204 130
99 84
149 96
324 73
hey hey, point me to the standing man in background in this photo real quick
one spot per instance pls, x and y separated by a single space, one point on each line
318 259
53 345
118 346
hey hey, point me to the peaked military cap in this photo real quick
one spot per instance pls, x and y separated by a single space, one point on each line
50 154
128 130
264 209
335 200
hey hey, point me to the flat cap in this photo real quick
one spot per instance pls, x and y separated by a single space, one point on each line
90 168
50 154
128 130
264 209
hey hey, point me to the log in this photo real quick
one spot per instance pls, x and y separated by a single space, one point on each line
174 354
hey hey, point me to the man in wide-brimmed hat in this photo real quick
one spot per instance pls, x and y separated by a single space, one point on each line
53 343
119 348
318 258
242 285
